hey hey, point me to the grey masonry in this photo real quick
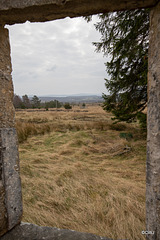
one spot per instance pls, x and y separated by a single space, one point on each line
153 139
10 185
19 11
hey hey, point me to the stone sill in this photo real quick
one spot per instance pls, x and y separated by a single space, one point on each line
29 231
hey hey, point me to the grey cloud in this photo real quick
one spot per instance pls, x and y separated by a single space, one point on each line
52 69
56 58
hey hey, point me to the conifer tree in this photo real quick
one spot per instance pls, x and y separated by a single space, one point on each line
36 102
125 40
26 101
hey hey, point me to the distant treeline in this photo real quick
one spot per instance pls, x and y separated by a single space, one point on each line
25 102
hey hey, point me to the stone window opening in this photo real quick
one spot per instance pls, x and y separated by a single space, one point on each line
10 186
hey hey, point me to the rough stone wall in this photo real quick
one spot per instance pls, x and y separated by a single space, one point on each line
5 119
19 11
153 141
6 86
28 231
3 212
10 185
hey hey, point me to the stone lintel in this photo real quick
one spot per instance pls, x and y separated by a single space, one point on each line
10 178
19 11
153 136
28 231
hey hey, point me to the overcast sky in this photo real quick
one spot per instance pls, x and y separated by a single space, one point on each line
56 58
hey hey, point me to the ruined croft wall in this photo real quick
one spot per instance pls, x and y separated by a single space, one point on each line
153 138
19 11
10 184
6 87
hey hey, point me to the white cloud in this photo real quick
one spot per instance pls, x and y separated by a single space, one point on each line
56 57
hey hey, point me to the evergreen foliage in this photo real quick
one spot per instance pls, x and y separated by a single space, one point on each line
53 104
17 102
124 39
67 106
26 101
36 102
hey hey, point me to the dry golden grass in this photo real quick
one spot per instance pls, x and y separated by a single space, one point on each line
81 175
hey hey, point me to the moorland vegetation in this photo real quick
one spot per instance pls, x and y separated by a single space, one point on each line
80 171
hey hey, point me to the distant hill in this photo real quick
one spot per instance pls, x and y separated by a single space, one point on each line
73 99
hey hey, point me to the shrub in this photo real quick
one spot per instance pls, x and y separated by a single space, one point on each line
67 106
127 136
117 126
142 117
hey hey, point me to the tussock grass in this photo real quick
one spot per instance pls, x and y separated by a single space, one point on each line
62 121
79 176
24 130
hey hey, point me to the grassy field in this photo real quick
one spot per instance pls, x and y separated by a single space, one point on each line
80 171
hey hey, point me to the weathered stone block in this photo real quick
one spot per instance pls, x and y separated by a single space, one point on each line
10 183
19 11
28 231
10 188
3 212
7 114
153 138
